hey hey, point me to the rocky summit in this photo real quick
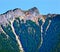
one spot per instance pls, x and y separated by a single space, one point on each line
29 31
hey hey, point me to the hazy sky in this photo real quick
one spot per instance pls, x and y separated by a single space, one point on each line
44 6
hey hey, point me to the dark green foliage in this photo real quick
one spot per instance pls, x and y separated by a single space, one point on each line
7 44
8 31
29 34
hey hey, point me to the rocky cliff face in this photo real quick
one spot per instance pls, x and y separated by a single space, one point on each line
29 31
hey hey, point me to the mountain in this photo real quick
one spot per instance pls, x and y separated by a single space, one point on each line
29 31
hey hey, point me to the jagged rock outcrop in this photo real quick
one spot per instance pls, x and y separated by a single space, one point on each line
29 31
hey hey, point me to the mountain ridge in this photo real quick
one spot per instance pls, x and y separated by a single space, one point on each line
29 31
26 15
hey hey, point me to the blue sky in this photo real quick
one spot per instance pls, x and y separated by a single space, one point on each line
44 6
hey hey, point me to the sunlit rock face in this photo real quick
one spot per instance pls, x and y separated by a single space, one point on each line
29 31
